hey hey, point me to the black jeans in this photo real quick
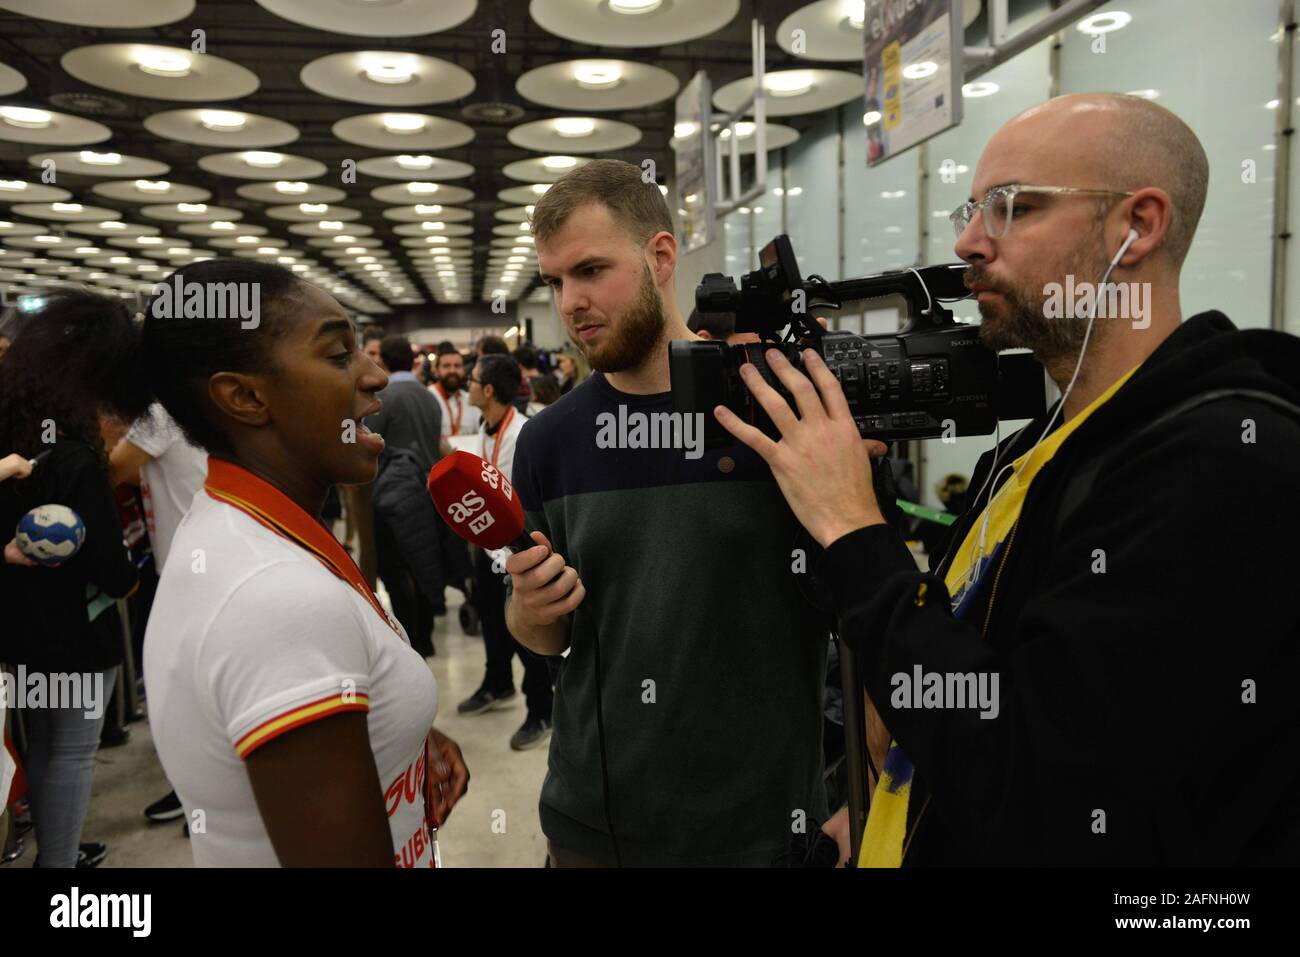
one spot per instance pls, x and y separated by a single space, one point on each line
410 606
490 596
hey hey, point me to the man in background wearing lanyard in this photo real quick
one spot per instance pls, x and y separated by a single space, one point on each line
459 415
492 387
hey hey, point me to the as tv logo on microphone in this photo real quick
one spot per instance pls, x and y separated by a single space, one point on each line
472 508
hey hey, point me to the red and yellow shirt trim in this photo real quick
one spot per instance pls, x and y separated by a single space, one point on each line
272 728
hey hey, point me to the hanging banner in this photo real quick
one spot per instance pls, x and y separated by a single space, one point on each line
914 72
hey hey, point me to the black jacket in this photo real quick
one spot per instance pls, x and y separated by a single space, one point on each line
403 504
45 624
1121 691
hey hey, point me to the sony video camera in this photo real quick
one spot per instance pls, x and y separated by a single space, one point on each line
932 379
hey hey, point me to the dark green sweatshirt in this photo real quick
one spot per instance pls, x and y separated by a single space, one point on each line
712 663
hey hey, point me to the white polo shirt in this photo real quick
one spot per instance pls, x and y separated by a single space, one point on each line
457 405
251 636
170 480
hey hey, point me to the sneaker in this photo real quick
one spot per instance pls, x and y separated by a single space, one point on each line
91 855
534 731
165 809
15 852
88 855
483 700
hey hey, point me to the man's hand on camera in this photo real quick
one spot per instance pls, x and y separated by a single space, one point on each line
821 463
545 588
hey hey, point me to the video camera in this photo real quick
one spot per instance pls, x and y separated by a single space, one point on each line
933 378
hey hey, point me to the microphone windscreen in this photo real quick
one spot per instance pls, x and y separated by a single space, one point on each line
476 501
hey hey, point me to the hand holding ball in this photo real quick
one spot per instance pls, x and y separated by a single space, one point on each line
50 534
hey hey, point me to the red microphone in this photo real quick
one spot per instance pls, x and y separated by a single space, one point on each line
478 502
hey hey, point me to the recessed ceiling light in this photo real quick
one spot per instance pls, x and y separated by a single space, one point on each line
330 224
428 225
979 88
345 239
574 126
86 250
223 121
152 185
100 159
12 185
290 188
112 224
559 162
1104 22
192 208
598 74
263 160
871 117
66 207
365 259
540 188
355 250
26 117
423 209
161 62
314 208
387 68
634 7
149 241
407 161
223 225
788 82
246 240
403 123
178 251
684 129
855 12
267 250
46 239
919 71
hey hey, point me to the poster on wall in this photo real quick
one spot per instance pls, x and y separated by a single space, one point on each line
694 151
913 69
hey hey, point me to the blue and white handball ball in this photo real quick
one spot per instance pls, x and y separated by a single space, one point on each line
50 534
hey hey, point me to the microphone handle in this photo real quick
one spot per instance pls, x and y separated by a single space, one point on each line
522 541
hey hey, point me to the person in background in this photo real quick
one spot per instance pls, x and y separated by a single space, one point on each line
492 387
77 360
155 455
721 326
371 337
459 416
410 420
18 466
545 391
570 369
491 346
284 700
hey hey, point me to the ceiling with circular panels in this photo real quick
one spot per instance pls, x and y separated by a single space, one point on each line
387 150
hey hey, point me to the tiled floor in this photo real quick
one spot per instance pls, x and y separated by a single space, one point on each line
128 779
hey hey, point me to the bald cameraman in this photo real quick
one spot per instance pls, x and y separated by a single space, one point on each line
1114 579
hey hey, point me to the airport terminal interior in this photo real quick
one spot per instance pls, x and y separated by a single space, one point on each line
394 155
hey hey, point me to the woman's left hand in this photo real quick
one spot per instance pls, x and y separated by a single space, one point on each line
14 555
448 774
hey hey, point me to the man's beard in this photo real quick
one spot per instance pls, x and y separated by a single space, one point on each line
451 382
1017 320
635 335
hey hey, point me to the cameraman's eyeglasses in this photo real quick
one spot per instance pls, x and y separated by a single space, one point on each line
999 206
